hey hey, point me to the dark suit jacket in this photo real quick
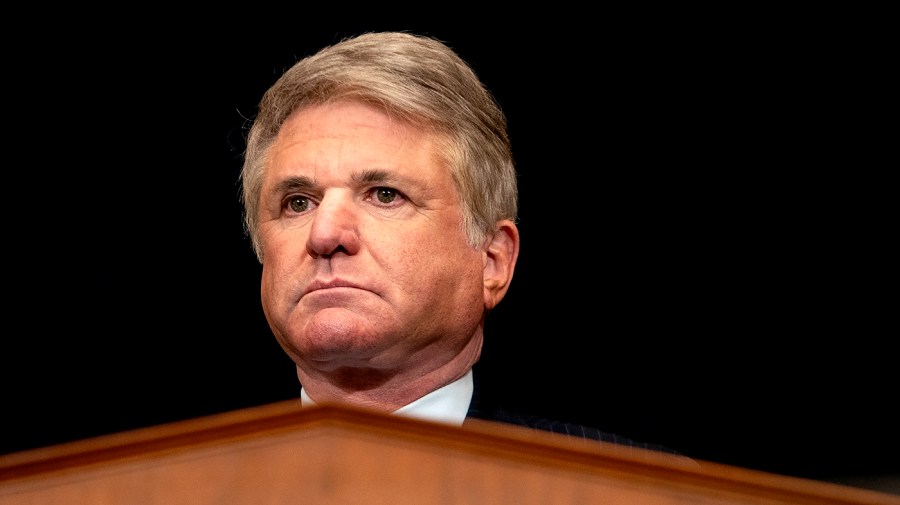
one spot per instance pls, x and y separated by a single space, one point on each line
480 409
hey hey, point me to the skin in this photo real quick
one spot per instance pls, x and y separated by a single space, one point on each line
368 282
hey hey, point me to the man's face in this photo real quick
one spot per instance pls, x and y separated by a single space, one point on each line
366 263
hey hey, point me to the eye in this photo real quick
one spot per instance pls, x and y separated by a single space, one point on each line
386 196
298 204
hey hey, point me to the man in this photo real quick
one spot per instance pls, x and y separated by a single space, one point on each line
381 199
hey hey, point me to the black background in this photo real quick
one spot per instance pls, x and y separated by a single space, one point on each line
698 267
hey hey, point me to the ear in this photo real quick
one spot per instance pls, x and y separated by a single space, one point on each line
501 252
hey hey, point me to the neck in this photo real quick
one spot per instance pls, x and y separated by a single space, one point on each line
386 389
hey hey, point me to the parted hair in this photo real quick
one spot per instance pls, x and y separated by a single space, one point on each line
413 78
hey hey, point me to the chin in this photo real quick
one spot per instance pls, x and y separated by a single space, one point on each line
334 339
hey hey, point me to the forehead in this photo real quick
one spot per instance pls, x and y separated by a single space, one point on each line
356 146
351 133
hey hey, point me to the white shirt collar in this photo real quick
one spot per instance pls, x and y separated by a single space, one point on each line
449 404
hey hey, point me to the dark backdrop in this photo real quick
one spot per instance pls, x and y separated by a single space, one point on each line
694 270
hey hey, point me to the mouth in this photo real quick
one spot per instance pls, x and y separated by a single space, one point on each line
319 285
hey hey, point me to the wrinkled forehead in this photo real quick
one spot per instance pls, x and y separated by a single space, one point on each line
348 142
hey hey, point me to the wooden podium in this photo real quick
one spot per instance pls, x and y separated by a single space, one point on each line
280 454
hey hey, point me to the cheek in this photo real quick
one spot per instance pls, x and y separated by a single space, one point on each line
422 249
281 242
268 285
435 265
279 250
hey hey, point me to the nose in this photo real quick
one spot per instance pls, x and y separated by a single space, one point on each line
334 226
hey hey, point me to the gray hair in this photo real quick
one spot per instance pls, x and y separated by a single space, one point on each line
413 78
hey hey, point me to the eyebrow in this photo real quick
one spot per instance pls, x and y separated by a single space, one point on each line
371 176
307 184
295 183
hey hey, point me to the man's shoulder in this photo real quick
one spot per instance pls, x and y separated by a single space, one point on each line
499 414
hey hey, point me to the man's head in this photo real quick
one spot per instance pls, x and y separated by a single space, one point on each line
417 80
380 195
